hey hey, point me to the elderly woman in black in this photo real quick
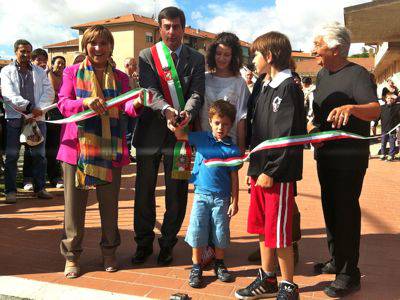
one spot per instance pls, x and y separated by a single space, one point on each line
345 98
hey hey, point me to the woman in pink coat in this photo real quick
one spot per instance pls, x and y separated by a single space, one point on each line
93 151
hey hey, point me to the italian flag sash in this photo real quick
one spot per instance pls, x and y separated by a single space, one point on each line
173 94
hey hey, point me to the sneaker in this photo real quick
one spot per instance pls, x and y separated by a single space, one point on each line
390 158
28 186
222 272
196 278
382 157
43 194
288 291
340 288
207 257
325 268
11 198
60 184
261 287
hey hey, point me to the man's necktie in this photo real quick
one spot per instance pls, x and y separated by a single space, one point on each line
174 58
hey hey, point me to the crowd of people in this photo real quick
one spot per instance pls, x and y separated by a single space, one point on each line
219 114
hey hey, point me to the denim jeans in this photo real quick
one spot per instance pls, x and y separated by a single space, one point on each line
13 146
392 143
209 221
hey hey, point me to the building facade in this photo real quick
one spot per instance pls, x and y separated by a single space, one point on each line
376 24
132 33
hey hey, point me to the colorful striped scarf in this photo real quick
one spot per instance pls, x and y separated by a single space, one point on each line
100 138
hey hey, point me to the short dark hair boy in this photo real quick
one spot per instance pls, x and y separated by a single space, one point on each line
279 113
214 189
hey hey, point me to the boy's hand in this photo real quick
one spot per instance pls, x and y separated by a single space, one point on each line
264 181
233 209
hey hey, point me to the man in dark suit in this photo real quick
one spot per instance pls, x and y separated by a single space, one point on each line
154 139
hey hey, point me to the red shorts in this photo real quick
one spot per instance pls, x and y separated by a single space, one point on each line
271 213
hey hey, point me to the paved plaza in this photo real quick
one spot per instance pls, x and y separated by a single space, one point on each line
31 265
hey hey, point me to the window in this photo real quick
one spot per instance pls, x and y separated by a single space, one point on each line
149 37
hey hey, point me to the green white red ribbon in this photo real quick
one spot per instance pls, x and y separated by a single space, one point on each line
131 95
287 142
173 94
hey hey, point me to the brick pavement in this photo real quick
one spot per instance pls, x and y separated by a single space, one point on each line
30 233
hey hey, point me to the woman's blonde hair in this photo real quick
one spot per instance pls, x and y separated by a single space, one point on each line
93 32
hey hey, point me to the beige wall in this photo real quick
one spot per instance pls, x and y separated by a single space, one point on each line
140 38
67 52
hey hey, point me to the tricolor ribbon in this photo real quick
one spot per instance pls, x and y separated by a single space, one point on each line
89 113
131 95
173 94
290 141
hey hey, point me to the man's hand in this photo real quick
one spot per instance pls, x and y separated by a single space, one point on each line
184 117
339 116
170 114
233 209
36 112
96 104
264 181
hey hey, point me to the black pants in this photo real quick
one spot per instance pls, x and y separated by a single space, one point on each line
145 206
52 145
340 191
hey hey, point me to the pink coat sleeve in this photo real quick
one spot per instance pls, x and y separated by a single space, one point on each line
127 106
67 103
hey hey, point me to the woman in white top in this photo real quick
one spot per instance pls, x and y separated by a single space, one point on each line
223 81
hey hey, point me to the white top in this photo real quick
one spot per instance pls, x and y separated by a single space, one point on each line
10 89
232 89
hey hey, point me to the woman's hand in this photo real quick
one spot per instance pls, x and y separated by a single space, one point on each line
96 104
264 181
139 101
339 116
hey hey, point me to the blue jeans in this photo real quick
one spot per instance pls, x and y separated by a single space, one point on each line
209 218
392 143
13 146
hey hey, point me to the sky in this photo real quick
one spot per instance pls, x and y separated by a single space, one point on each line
45 22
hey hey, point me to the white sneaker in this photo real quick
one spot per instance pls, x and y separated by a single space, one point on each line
60 185
28 186
11 198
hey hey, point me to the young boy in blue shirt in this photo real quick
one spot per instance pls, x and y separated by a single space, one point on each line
216 191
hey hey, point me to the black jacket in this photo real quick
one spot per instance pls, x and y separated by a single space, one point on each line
279 112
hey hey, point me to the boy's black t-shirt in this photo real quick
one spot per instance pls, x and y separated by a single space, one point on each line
390 116
350 85
278 112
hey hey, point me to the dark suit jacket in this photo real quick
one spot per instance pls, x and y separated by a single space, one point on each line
151 131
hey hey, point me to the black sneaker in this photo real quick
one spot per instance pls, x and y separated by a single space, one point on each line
339 288
222 272
196 278
325 268
288 291
261 287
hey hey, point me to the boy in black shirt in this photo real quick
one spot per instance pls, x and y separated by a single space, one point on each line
389 120
278 112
